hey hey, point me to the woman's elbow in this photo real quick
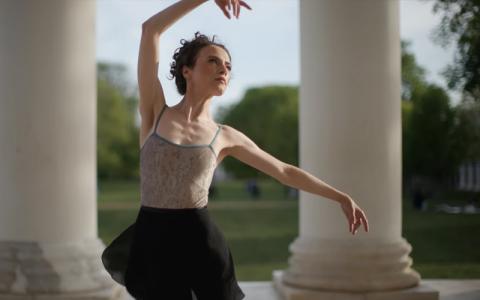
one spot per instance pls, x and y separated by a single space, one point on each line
286 173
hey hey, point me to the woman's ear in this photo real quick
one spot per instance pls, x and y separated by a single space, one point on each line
186 72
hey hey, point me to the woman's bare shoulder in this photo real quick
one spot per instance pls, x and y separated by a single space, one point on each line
241 147
233 137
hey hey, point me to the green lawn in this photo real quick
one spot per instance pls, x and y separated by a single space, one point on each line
260 231
444 245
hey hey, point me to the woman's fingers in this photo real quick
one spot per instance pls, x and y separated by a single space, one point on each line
230 8
365 221
239 6
221 4
353 220
355 226
362 219
233 6
348 208
225 12
235 9
243 3
355 215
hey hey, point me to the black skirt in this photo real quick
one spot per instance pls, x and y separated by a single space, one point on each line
173 254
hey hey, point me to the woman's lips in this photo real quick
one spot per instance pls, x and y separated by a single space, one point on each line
221 80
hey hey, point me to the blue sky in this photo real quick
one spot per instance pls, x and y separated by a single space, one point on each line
264 42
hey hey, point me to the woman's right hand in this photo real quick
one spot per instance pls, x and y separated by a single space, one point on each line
355 215
226 5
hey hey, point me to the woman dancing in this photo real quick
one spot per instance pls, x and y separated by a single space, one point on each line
174 250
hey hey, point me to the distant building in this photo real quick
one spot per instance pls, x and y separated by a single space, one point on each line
468 176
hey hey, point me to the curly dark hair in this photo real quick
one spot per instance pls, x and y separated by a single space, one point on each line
186 55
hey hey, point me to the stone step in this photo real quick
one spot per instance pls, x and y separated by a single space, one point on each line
449 289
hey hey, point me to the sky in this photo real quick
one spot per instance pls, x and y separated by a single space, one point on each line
263 42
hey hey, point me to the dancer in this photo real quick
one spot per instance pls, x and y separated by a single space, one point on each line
174 250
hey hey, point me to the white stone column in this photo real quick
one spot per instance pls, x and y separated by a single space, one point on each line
350 137
49 245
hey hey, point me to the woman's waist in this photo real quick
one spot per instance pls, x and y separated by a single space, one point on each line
172 210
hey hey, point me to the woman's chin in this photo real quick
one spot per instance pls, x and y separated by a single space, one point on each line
219 92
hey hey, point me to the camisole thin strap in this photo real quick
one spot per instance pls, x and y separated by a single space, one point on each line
209 145
159 116
216 134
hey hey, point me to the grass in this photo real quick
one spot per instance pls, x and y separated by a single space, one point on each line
128 191
444 245
259 232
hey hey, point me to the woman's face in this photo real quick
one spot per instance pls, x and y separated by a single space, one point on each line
211 72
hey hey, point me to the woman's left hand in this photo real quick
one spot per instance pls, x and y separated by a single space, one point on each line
354 214
226 5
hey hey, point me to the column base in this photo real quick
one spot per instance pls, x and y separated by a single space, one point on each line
60 270
350 265
419 292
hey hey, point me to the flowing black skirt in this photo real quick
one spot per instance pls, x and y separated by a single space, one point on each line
173 254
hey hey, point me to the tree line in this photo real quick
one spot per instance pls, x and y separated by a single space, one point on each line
437 137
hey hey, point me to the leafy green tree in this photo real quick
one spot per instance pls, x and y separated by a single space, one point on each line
269 116
433 135
117 136
407 144
461 23
414 86
117 76
431 142
413 76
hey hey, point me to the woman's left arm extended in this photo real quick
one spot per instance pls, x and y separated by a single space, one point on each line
244 149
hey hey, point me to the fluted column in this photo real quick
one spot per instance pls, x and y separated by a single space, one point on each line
350 137
49 245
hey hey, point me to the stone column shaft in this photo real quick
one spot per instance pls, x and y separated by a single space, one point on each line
49 245
350 137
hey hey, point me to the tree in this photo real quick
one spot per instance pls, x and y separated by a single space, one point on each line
269 116
430 139
117 136
461 23
414 86
413 76
432 135
116 75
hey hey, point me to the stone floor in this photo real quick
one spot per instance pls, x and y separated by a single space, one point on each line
463 289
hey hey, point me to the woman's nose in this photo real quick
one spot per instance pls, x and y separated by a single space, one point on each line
224 69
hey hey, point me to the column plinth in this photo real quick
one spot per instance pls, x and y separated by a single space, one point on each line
356 266
38 268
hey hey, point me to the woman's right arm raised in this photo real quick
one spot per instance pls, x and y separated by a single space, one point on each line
150 89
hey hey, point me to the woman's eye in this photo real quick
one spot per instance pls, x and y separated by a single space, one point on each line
214 60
